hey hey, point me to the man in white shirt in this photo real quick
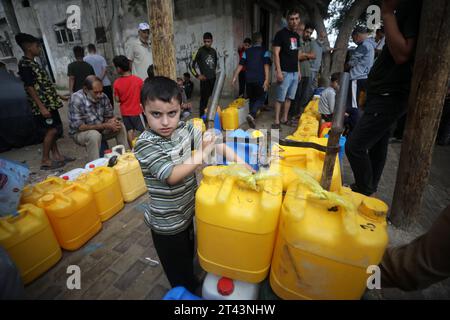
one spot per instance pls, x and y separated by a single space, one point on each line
139 52
99 65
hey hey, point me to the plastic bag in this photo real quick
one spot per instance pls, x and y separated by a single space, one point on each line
13 177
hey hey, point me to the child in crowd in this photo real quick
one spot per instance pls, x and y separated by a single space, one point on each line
164 152
188 85
186 106
127 89
328 98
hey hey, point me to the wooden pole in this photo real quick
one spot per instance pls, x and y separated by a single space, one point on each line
160 14
426 100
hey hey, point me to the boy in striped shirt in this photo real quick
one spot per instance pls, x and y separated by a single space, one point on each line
168 165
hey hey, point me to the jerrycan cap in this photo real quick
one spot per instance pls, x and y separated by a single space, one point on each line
65 178
373 209
225 286
91 166
48 198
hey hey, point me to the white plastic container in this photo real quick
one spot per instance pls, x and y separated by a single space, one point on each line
119 149
72 175
101 162
221 288
243 113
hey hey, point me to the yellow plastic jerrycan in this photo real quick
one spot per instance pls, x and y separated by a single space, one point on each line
287 159
73 215
199 124
236 220
131 180
104 183
326 242
31 194
230 118
30 242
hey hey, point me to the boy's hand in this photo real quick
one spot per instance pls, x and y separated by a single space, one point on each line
266 85
201 77
208 144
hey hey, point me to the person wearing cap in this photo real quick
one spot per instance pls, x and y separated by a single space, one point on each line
206 59
140 52
359 66
44 101
388 86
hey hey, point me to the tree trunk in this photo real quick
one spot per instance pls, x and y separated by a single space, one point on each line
160 14
429 86
351 17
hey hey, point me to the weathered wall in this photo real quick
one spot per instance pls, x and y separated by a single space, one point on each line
229 22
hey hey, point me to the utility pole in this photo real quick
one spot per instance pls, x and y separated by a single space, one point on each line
160 13
426 100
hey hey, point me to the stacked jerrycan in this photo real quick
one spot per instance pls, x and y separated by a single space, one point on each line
230 118
326 241
31 194
105 186
30 242
130 176
236 217
73 215
286 159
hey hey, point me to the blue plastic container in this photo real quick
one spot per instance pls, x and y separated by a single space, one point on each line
217 124
180 293
342 141
245 150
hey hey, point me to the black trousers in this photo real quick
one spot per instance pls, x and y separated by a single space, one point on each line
367 145
242 83
206 89
176 253
256 95
303 95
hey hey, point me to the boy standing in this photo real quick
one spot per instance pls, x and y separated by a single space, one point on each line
286 57
328 98
78 70
168 166
206 59
43 99
256 60
127 90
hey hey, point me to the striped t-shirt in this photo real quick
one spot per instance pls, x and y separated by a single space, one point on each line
171 208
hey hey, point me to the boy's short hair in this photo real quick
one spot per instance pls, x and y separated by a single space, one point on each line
78 52
335 76
257 37
309 26
248 40
187 75
91 47
292 12
122 62
207 36
24 39
160 88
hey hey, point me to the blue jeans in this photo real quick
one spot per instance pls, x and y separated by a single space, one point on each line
288 87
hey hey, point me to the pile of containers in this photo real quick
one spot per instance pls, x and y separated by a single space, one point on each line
67 211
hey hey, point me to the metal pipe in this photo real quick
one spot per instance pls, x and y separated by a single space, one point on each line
337 127
217 91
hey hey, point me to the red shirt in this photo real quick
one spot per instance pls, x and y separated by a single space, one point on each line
128 90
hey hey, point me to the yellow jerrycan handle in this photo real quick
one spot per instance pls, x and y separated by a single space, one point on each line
345 207
225 190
